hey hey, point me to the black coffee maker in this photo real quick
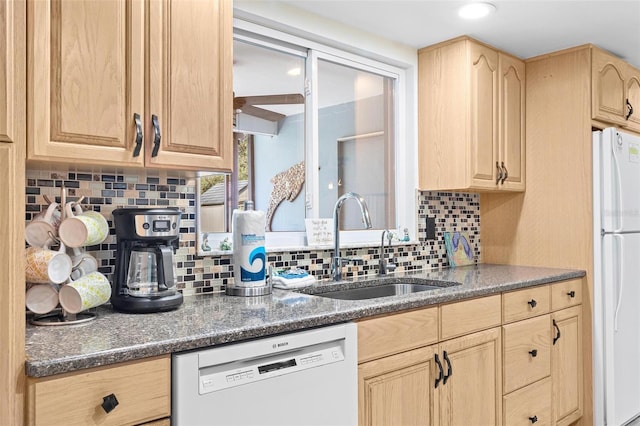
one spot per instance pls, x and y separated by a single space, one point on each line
145 274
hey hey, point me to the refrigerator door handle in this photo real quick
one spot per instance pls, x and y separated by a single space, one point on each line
620 284
619 214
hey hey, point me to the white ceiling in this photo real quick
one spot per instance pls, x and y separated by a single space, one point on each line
524 28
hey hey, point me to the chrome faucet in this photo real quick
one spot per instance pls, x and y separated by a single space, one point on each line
336 268
384 266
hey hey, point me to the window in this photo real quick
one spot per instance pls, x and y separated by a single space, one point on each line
310 126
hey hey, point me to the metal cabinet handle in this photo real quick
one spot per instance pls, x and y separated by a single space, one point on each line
533 419
533 353
449 369
109 402
557 336
629 110
571 294
156 135
139 136
532 303
499 178
505 175
441 373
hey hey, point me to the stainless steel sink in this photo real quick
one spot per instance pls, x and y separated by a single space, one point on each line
384 290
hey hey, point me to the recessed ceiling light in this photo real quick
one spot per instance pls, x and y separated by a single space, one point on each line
476 10
294 71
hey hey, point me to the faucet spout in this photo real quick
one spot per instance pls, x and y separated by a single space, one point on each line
336 268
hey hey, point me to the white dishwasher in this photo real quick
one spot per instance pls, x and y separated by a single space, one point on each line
304 378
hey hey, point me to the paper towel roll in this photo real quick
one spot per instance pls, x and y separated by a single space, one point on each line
249 255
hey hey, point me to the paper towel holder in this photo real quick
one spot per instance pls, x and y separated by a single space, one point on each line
251 291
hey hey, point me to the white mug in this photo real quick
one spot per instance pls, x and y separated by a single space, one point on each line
86 292
83 263
42 298
47 266
82 228
43 229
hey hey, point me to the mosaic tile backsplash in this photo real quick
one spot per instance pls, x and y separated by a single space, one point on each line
105 192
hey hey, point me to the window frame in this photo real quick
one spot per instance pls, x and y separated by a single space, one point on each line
405 183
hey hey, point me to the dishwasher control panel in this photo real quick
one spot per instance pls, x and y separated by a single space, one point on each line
235 375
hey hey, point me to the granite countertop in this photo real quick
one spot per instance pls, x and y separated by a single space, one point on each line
208 320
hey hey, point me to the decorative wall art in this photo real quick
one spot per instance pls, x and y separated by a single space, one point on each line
459 250
286 186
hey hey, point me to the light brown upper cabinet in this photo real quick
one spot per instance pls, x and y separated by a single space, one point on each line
471 113
11 71
616 90
131 83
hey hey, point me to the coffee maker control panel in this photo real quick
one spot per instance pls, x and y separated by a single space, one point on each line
156 225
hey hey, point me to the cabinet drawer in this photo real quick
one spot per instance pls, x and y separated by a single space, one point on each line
566 294
527 352
525 303
459 318
142 388
533 403
378 337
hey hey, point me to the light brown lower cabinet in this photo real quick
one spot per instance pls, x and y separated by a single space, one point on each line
566 365
457 382
472 393
519 363
398 389
142 390
529 405
543 355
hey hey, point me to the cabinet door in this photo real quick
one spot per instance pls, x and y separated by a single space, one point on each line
473 391
12 150
566 365
608 87
190 90
483 115
12 63
633 97
398 389
512 122
86 80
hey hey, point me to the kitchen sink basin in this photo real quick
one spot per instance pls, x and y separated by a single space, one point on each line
383 290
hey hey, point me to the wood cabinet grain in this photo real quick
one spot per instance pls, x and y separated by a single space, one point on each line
12 208
471 109
131 83
142 389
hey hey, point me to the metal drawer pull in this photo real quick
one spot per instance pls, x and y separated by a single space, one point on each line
109 402
450 370
557 336
571 294
533 419
629 110
156 135
441 374
138 122
499 178
533 353
505 175
532 303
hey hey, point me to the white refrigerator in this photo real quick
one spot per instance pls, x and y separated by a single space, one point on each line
616 305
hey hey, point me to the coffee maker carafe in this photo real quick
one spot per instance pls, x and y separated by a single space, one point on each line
145 272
